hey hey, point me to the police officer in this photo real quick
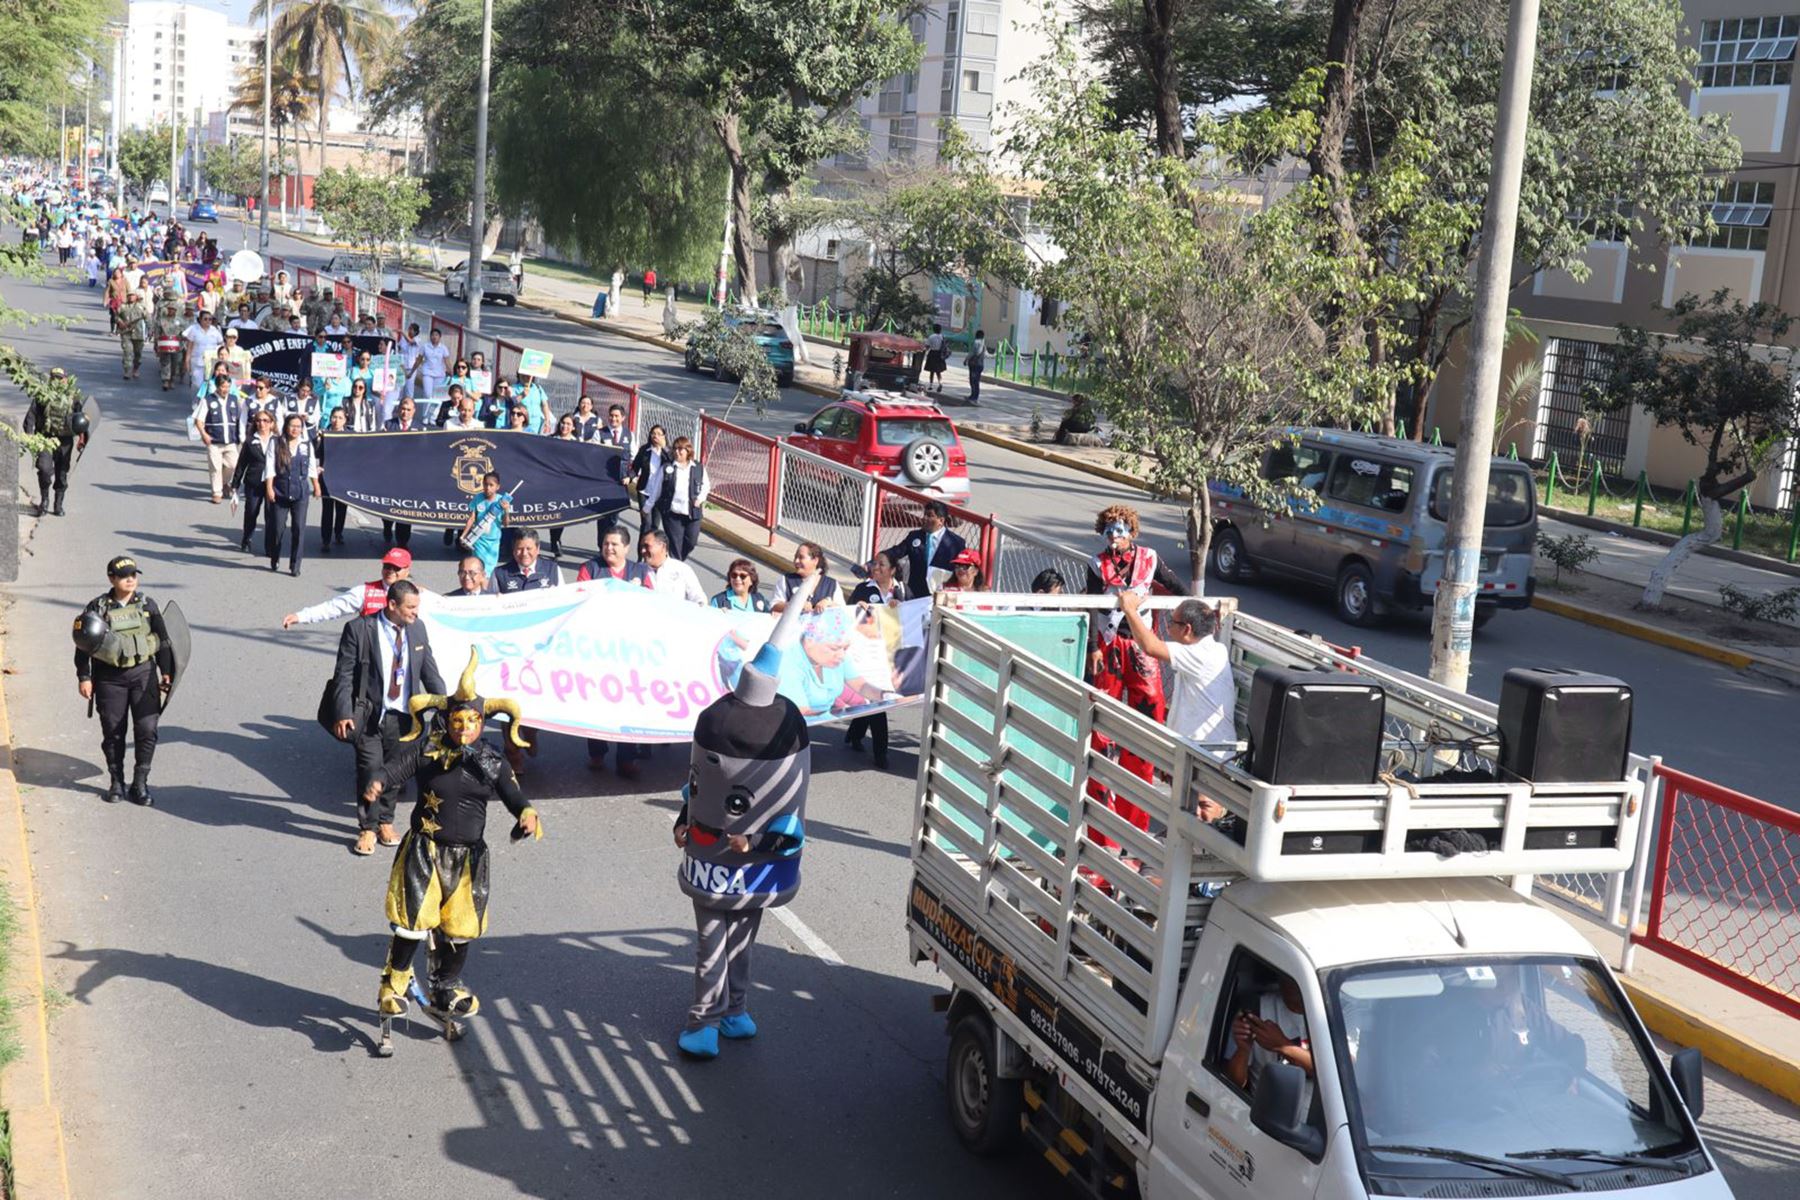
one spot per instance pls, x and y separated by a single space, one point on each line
57 414
123 662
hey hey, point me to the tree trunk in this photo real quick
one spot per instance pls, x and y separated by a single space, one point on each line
743 238
1712 526
1158 33
1327 156
1199 533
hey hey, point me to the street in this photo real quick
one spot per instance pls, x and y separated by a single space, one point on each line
219 952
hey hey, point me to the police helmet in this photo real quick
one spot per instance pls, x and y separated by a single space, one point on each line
80 424
90 630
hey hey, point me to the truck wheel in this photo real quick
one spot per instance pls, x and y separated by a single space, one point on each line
1355 595
1229 561
984 1109
691 361
924 461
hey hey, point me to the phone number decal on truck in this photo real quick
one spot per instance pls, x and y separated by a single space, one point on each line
1001 976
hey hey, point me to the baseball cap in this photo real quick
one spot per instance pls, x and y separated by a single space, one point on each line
231 333
58 373
968 558
397 558
124 564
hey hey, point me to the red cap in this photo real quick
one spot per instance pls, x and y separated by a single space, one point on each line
968 558
397 558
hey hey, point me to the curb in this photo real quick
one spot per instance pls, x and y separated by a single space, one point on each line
749 549
1657 537
1738 660
1739 1055
39 1153
1069 462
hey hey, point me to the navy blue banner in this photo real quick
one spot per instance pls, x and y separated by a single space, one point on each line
429 478
284 359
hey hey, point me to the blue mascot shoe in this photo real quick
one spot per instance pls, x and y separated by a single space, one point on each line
700 1043
740 1026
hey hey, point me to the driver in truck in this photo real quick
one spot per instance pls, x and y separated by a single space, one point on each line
1276 1032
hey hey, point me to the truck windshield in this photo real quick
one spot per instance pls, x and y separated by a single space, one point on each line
1462 1070
1509 499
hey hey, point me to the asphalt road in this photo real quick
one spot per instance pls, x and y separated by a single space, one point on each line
219 952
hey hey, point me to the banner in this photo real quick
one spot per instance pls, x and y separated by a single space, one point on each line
428 478
284 359
535 363
616 662
327 366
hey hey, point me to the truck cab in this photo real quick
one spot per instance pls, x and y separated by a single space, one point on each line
1179 980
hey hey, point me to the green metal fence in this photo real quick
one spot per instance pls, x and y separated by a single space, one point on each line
1769 532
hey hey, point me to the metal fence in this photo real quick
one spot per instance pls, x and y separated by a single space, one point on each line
820 501
1726 898
742 469
1019 557
677 420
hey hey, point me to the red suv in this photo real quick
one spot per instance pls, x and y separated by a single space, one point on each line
893 436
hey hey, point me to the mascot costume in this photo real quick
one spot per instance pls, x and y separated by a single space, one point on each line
742 827
438 887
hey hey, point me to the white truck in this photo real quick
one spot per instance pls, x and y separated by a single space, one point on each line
1273 991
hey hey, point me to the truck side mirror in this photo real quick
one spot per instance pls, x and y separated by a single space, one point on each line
1690 1081
1278 1109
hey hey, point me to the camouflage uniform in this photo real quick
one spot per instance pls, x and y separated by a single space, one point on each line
134 326
168 323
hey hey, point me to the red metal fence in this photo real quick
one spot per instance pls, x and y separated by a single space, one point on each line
743 469
1726 893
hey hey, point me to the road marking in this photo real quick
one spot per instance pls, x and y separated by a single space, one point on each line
808 938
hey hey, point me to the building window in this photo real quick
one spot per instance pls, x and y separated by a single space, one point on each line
1741 216
1748 52
1611 222
972 81
903 138
1576 375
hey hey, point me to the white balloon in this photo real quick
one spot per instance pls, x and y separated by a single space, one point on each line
246 266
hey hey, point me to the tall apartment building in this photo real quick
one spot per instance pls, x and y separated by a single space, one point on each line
1747 52
180 58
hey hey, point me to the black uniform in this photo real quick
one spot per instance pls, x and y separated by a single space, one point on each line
130 686
52 465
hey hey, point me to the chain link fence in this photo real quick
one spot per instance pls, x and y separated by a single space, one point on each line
677 420
819 501
1019 557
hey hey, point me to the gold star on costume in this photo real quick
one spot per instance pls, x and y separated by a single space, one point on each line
432 800
427 825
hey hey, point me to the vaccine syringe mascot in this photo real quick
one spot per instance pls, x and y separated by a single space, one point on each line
742 827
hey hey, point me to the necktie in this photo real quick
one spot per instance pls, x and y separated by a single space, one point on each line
399 676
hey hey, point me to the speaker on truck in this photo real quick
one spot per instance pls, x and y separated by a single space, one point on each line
1560 726
1314 726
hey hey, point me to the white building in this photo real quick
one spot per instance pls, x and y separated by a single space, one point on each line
181 59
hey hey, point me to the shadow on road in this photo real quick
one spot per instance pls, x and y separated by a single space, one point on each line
49 769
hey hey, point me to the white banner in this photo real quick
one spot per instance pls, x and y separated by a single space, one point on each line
620 663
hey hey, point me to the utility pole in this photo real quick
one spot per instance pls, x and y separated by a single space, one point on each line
118 117
62 141
1453 619
262 210
478 196
174 110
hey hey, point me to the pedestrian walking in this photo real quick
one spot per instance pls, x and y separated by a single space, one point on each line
134 328
647 477
291 480
202 340
882 589
383 661
977 363
934 360
222 418
649 285
165 331
252 470
125 665
57 414
682 499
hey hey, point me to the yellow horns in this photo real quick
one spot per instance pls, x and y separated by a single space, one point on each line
465 692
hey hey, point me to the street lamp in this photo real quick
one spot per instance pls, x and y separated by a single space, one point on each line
268 49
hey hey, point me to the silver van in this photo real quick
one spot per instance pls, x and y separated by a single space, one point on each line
1369 520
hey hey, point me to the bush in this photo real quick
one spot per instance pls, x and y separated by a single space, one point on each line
1770 606
1570 552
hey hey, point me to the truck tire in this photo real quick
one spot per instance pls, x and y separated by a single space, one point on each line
1229 561
1355 594
924 461
984 1109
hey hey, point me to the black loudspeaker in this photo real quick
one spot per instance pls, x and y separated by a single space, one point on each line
1559 726
1314 726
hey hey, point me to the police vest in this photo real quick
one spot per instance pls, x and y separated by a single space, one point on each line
57 409
129 640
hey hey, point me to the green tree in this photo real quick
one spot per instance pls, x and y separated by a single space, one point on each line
1725 380
144 154
290 104
732 345
332 41
46 40
1211 321
234 169
373 212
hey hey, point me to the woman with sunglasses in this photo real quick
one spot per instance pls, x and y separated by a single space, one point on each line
360 409
741 593
252 469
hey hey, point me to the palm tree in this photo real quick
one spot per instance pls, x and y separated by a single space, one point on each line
290 99
332 42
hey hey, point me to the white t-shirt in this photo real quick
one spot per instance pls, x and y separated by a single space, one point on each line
202 342
676 578
1203 694
433 360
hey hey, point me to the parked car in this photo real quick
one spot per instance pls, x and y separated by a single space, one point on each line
1371 524
359 270
203 210
891 436
770 337
159 193
497 282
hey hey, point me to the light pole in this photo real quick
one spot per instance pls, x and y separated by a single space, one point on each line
478 194
87 116
174 111
1453 617
262 211
118 113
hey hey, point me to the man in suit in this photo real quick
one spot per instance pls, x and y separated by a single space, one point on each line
383 661
932 546
406 419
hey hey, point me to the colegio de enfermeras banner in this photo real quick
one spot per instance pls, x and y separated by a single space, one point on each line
429 478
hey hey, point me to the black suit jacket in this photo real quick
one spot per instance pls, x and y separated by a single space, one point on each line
358 683
909 558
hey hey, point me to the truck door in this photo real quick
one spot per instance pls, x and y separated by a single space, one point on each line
1203 1144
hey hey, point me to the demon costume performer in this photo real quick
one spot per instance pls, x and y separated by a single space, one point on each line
438 887
742 827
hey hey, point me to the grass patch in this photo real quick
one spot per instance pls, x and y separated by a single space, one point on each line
1764 532
9 1031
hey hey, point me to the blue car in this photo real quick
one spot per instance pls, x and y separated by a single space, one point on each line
203 210
770 337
